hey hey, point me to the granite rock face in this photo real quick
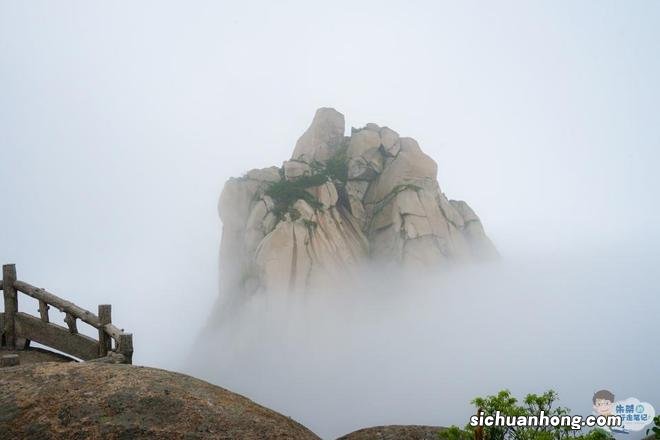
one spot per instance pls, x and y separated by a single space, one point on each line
339 202
322 137
396 432
99 401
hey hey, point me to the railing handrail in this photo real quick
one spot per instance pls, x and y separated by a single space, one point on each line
61 304
102 322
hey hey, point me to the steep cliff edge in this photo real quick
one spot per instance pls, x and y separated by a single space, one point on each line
339 202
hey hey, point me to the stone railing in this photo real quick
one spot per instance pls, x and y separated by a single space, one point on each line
18 328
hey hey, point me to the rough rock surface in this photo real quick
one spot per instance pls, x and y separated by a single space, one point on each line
338 202
34 355
322 137
395 432
97 401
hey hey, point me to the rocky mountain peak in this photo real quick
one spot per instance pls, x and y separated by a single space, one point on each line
322 137
341 201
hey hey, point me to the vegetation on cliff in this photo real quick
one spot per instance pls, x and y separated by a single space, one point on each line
286 192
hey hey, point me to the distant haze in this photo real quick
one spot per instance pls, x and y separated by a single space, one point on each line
388 350
120 122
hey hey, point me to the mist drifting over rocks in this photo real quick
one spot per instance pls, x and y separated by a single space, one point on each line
416 350
120 129
385 334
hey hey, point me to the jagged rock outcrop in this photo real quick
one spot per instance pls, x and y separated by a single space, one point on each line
338 202
321 138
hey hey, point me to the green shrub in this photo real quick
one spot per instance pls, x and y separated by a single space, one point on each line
533 404
656 428
335 168
310 224
294 214
286 192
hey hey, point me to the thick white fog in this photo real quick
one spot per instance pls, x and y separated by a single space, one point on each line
119 124
388 350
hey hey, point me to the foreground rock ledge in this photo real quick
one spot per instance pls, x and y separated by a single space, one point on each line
396 432
95 401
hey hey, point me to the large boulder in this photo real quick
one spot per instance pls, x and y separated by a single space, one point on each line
411 166
270 174
390 141
365 161
294 169
321 138
99 401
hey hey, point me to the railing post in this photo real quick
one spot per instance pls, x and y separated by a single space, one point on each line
11 303
105 316
43 310
71 323
126 346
